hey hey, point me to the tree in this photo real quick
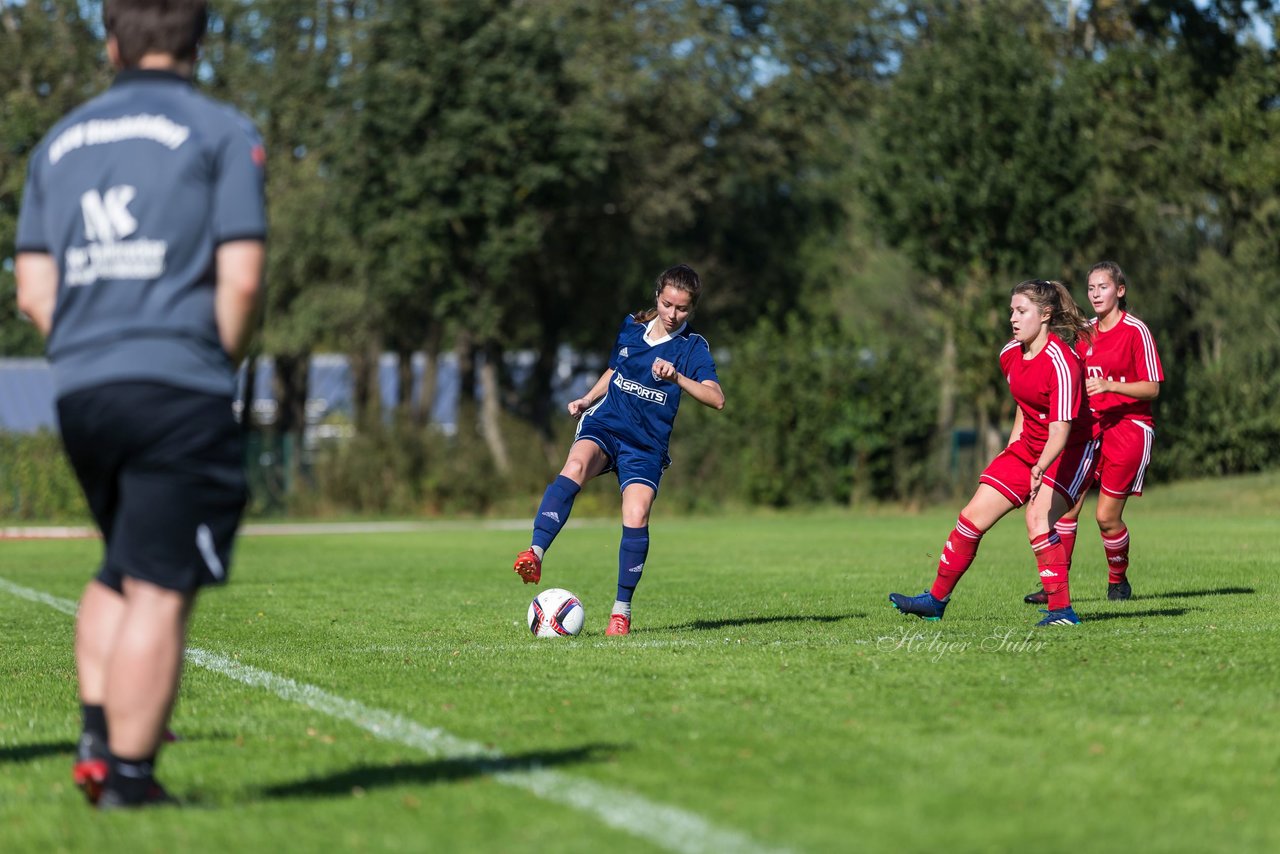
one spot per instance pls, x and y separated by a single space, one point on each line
527 170
1183 189
51 59
974 174
286 64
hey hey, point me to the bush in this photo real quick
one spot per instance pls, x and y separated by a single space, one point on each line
400 468
810 417
36 481
1226 421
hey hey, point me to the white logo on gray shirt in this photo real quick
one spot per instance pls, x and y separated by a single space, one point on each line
108 255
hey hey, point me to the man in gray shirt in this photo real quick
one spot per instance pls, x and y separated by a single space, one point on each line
140 251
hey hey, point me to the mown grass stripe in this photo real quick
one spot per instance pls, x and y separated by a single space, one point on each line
668 827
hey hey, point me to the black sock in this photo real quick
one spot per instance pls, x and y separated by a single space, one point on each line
95 721
131 778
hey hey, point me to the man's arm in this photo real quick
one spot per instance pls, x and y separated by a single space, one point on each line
37 278
239 265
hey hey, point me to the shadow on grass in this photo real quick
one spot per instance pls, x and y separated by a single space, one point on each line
1191 594
27 752
1093 616
1177 594
711 625
367 777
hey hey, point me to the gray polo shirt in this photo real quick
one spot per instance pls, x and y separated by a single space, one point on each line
132 193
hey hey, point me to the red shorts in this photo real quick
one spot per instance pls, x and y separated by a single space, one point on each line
1069 475
1123 455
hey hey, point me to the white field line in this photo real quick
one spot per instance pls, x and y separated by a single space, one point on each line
667 827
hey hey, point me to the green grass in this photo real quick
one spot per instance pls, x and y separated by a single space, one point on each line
768 689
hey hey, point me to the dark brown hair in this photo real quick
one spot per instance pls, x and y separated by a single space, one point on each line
141 27
681 277
1065 318
1112 269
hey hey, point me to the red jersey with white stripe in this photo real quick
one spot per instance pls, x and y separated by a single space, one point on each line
1124 353
1047 388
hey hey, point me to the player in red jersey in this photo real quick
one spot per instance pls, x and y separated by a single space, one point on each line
1122 377
1049 446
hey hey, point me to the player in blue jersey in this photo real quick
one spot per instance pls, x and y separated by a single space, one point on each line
140 249
625 427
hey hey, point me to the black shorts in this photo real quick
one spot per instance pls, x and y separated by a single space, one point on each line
163 471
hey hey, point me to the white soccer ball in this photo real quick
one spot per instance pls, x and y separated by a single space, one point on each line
555 613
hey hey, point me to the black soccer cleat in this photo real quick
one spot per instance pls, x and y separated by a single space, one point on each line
1119 591
156 797
1039 597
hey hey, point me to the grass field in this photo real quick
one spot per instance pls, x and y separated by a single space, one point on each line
381 693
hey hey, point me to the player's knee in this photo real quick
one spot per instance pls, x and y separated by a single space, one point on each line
144 596
1109 520
1110 525
635 518
574 469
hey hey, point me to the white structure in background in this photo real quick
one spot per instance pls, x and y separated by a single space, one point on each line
27 402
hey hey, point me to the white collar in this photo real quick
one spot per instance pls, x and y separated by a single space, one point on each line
656 323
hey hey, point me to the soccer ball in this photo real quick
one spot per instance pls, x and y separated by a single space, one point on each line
555 613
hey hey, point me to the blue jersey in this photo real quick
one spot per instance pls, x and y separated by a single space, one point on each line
638 407
132 193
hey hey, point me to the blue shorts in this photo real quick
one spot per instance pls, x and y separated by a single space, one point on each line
633 464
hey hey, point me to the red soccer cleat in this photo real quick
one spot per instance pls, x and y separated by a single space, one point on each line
90 776
90 769
529 566
619 624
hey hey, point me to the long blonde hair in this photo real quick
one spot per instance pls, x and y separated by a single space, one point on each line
1066 320
681 277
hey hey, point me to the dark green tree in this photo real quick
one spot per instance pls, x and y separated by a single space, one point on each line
51 59
975 175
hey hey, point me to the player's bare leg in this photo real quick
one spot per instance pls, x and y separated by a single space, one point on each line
142 677
586 460
97 624
1066 523
1043 512
1115 542
987 506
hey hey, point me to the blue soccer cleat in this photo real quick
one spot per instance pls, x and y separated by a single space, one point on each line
924 606
1061 617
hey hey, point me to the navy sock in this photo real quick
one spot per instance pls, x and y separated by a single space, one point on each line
95 721
632 552
131 778
553 512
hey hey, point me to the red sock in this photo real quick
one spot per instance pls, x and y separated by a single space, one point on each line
1117 549
957 555
1066 529
1054 568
